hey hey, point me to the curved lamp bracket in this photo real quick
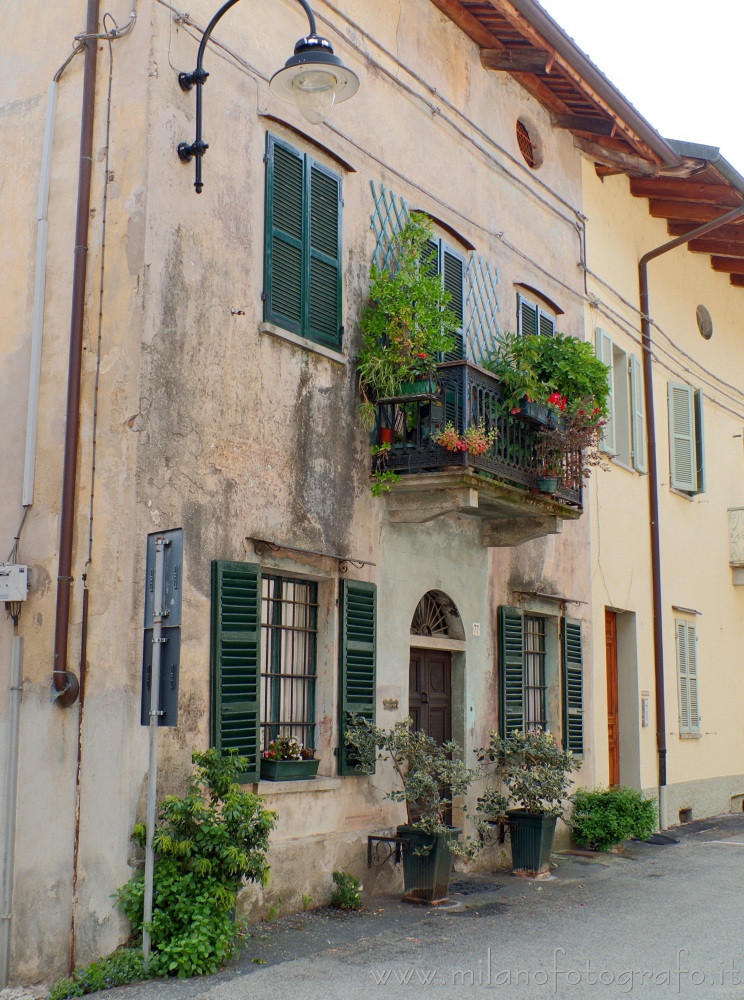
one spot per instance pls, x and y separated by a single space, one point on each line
313 78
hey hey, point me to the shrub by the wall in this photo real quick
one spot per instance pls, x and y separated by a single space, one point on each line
604 818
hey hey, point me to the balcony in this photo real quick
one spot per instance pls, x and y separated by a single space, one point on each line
500 487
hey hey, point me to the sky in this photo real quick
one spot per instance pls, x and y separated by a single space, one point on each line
679 62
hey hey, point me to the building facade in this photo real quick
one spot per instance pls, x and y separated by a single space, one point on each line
218 394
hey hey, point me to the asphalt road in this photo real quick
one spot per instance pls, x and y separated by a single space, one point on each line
664 921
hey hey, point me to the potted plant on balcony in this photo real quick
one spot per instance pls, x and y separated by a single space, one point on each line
406 323
287 759
428 776
570 449
536 775
539 371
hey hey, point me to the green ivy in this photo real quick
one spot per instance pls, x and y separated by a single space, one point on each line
604 818
207 843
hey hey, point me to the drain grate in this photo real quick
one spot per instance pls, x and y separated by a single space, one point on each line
469 885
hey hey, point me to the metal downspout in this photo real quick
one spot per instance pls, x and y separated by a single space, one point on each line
653 489
65 684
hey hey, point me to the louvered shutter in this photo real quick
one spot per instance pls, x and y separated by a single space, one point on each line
637 415
357 654
699 441
687 673
683 677
511 664
283 278
324 281
236 660
526 317
453 277
546 324
604 353
573 687
682 458
430 259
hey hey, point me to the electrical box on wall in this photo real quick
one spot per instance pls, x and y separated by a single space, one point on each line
13 582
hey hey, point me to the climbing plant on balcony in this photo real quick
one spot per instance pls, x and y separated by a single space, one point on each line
406 322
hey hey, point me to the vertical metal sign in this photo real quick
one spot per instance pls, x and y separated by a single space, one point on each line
162 621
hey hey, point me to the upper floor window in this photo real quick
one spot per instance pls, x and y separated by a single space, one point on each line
302 252
686 439
533 318
624 432
443 260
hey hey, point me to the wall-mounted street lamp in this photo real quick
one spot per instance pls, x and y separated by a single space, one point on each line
313 78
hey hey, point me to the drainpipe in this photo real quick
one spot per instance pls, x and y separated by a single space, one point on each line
10 798
653 490
65 685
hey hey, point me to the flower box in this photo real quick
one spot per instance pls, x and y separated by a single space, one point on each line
421 387
538 413
288 770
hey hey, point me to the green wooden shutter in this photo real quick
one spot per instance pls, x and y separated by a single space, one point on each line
430 258
692 678
682 459
573 687
511 660
357 661
604 353
526 317
323 320
453 278
637 414
699 441
283 270
236 660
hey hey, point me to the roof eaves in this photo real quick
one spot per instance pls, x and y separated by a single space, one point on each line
579 61
700 151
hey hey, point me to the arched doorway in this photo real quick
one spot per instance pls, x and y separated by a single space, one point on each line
436 629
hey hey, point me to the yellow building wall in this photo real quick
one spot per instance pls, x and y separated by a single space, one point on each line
705 773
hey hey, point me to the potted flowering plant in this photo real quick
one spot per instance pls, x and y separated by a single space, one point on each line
536 775
428 776
287 759
578 432
476 440
406 323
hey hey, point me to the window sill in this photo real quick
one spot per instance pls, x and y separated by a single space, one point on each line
307 345
690 497
322 783
690 736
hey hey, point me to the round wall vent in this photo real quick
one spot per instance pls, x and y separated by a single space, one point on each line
704 322
529 143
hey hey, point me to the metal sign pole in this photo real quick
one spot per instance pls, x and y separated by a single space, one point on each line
152 777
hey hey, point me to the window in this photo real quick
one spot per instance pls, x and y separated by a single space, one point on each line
532 665
687 676
686 439
449 264
265 655
289 628
624 433
532 318
302 266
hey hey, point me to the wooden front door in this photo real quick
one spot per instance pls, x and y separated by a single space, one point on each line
613 733
430 692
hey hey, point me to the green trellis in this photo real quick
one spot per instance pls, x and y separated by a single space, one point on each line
390 213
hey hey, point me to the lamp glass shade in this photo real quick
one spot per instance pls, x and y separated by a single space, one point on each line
315 94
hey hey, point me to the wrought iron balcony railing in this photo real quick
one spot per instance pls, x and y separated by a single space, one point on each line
464 395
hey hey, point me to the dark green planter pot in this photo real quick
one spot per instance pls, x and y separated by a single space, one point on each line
288 770
547 484
532 836
422 387
426 877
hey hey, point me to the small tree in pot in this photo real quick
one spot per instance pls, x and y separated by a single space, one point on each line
430 775
536 774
